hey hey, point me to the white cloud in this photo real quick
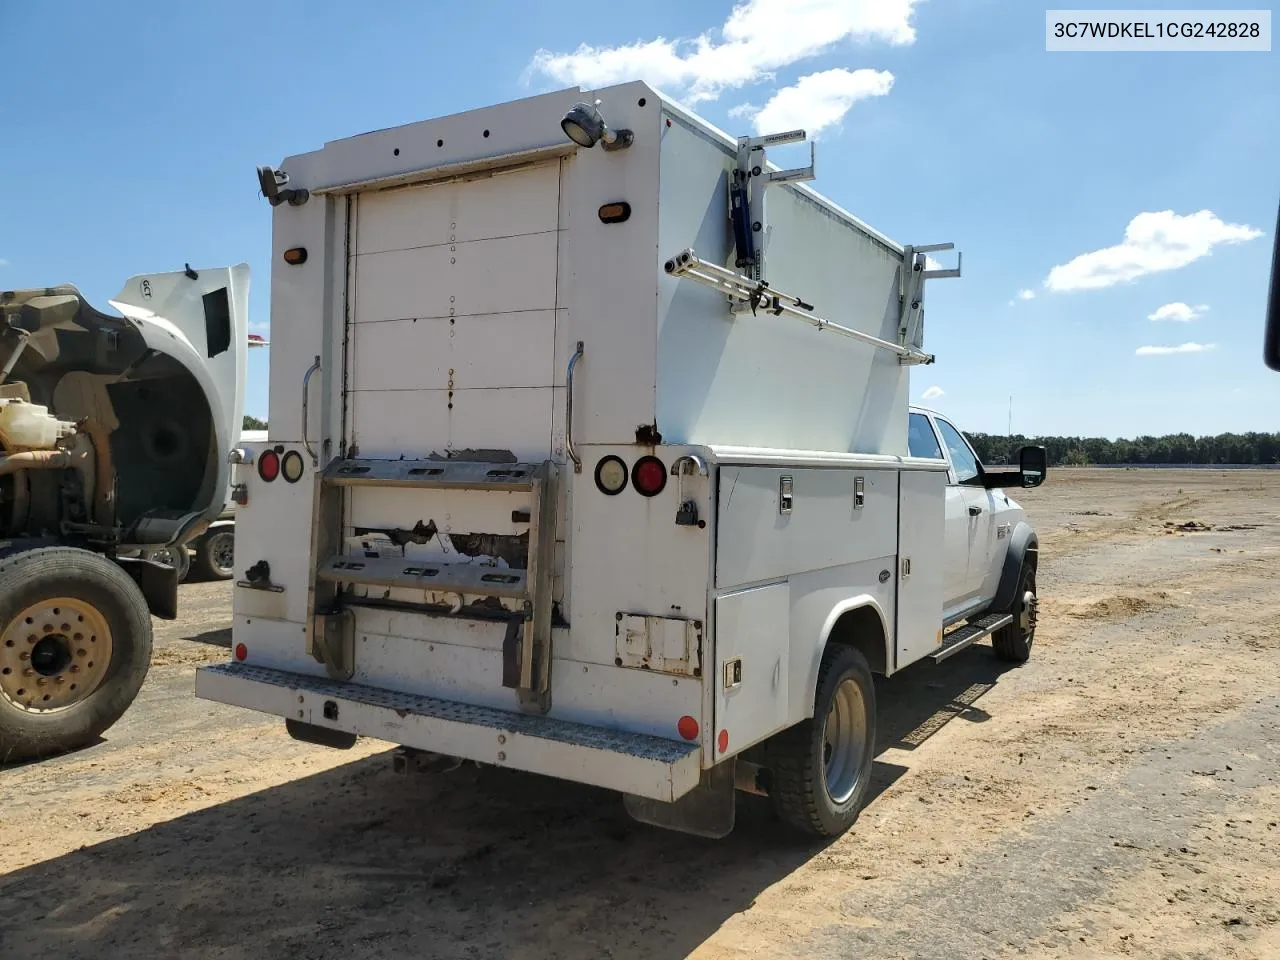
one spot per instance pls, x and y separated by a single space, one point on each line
1026 294
933 393
743 110
758 38
820 100
1178 311
1165 351
1153 242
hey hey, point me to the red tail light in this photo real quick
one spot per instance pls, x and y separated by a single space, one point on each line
649 476
242 652
269 465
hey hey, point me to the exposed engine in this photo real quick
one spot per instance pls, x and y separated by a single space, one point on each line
103 440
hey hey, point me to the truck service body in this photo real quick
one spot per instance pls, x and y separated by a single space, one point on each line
553 482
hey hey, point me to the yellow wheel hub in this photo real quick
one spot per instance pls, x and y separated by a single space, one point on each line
54 654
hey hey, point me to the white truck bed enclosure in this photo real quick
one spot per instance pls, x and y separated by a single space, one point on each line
541 492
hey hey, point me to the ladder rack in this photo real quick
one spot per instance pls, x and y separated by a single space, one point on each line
744 290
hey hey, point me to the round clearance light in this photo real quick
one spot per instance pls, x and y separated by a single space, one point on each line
291 466
649 476
611 475
242 652
269 465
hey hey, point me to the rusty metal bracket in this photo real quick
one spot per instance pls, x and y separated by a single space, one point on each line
333 643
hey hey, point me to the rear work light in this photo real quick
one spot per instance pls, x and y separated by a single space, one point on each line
269 465
611 475
649 476
291 466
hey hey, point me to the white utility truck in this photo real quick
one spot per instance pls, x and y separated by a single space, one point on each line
589 456
114 432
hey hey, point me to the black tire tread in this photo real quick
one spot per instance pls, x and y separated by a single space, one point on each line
794 783
1008 642
23 566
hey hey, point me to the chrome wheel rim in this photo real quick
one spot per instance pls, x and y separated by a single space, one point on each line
222 552
54 654
844 735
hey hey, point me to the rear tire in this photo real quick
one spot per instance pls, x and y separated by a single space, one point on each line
215 555
75 645
1013 643
821 768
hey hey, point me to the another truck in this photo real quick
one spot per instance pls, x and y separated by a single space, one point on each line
590 455
114 433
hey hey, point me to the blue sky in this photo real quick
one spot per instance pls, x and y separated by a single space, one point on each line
131 144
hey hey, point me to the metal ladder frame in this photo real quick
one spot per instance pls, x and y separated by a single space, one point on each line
331 623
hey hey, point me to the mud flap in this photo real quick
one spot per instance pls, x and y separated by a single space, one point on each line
158 583
707 810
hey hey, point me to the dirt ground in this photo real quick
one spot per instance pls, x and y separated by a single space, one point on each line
1115 797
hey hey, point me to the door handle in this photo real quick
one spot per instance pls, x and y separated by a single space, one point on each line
974 511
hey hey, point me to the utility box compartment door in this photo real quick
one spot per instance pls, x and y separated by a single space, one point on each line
921 559
453 316
752 649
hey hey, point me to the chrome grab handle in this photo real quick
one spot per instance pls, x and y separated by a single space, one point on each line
568 413
306 392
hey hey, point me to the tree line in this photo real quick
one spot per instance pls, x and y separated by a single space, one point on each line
1176 448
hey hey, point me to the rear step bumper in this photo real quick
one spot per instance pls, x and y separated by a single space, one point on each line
633 763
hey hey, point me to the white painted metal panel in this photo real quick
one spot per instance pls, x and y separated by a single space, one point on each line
503 275
756 542
471 672
752 661
920 589
503 204
274 525
818 599
629 556
415 423
762 380
499 350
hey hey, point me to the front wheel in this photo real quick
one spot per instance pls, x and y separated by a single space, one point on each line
821 768
1013 642
75 645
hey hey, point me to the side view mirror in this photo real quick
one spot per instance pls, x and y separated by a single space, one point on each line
1033 464
1271 343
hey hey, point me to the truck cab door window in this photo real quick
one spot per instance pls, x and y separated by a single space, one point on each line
963 460
921 440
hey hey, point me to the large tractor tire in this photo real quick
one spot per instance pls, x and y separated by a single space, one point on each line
75 645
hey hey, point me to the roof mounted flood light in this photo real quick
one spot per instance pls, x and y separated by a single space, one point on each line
584 125
270 183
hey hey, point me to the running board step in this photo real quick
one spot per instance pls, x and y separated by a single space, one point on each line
970 634
466 578
632 763
431 474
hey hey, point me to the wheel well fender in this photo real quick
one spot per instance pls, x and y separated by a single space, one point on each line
857 622
1024 547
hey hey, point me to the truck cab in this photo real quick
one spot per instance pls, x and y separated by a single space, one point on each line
979 519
